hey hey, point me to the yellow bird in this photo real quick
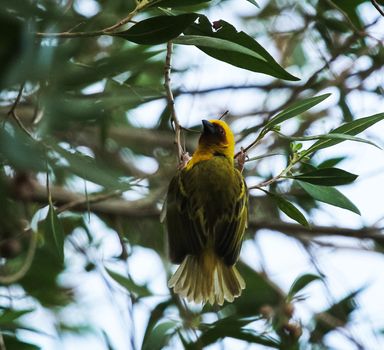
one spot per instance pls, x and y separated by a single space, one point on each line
206 218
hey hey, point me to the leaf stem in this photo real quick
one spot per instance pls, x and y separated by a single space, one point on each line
296 158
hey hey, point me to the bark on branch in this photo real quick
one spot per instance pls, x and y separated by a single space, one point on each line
291 229
103 204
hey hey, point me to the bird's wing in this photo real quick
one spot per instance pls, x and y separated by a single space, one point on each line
231 225
185 235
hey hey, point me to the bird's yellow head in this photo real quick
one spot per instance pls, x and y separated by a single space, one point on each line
216 139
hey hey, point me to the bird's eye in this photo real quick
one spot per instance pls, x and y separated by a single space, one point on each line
221 130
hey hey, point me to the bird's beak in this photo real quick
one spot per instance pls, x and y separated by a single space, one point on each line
209 128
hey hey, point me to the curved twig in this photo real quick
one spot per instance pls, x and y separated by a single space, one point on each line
106 31
16 276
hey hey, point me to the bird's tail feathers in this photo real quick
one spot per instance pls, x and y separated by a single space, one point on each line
206 278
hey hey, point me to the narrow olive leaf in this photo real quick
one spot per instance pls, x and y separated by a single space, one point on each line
157 30
216 43
13 343
54 233
326 177
331 162
352 128
253 2
333 136
293 110
107 341
178 3
301 282
328 195
234 330
289 209
156 314
9 316
129 285
340 310
160 335
236 48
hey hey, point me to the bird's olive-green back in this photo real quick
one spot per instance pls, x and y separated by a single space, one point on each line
207 208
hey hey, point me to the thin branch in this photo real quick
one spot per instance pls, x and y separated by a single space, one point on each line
17 100
290 229
171 101
117 207
140 209
377 6
300 88
16 276
12 111
2 344
106 31
87 200
345 15
124 252
280 176
268 87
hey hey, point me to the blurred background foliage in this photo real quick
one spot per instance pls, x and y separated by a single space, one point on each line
87 151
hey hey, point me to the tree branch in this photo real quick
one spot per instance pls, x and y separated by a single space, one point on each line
20 273
97 204
12 111
290 229
171 104
144 209
377 6
106 31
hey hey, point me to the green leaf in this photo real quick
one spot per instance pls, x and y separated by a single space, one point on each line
301 282
13 343
179 3
332 136
156 314
289 209
326 177
340 311
352 128
8 316
19 150
157 30
253 2
236 48
293 110
258 284
328 195
216 43
129 285
54 233
107 341
89 169
233 328
160 335
331 162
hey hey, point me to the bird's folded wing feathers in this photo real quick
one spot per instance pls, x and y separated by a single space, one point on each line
185 235
230 232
